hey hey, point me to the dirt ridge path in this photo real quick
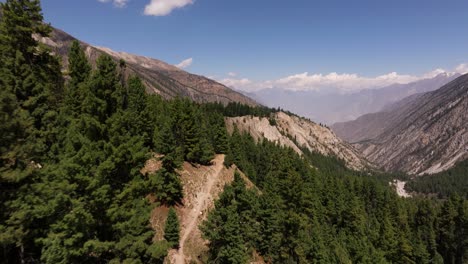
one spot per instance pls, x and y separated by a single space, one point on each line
400 188
201 203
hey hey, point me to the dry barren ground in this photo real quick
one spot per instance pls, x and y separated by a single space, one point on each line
202 186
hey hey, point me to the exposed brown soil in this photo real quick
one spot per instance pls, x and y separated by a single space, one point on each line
196 205
202 185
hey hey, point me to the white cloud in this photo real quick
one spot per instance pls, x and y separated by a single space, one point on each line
341 82
434 73
117 3
333 81
164 7
120 3
232 74
185 63
462 68
236 83
245 84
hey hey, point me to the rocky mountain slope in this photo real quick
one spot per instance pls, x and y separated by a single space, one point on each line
295 132
424 133
330 107
158 76
371 125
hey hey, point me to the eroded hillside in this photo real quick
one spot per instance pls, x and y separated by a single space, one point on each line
427 133
296 133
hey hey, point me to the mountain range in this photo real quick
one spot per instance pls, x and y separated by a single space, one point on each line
332 107
411 127
423 133
159 77
102 162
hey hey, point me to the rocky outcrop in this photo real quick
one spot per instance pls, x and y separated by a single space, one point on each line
296 133
425 133
158 76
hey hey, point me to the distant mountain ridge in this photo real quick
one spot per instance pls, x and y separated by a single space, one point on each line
369 126
159 77
424 133
333 107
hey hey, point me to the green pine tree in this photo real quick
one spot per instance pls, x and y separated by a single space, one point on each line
172 228
166 182
79 68
163 137
32 75
30 94
106 94
79 71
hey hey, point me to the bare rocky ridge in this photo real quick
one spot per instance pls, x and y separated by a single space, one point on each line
304 132
158 76
425 133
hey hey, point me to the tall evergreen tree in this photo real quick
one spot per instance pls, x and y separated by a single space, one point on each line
166 182
189 133
163 138
219 134
172 228
135 109
78 65
32 75
31 90
79 71
106 94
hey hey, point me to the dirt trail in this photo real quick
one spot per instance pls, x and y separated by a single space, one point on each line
400 188
202 201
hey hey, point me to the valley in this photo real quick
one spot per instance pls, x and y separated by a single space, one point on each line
112 157
424 133
329 106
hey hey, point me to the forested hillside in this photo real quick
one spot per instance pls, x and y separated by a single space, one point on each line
326 214
71 154
443 184
72 190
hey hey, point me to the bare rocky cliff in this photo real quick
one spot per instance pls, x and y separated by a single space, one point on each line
158 76
425 133
296 132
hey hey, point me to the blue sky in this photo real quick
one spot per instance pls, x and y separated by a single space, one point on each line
264 41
